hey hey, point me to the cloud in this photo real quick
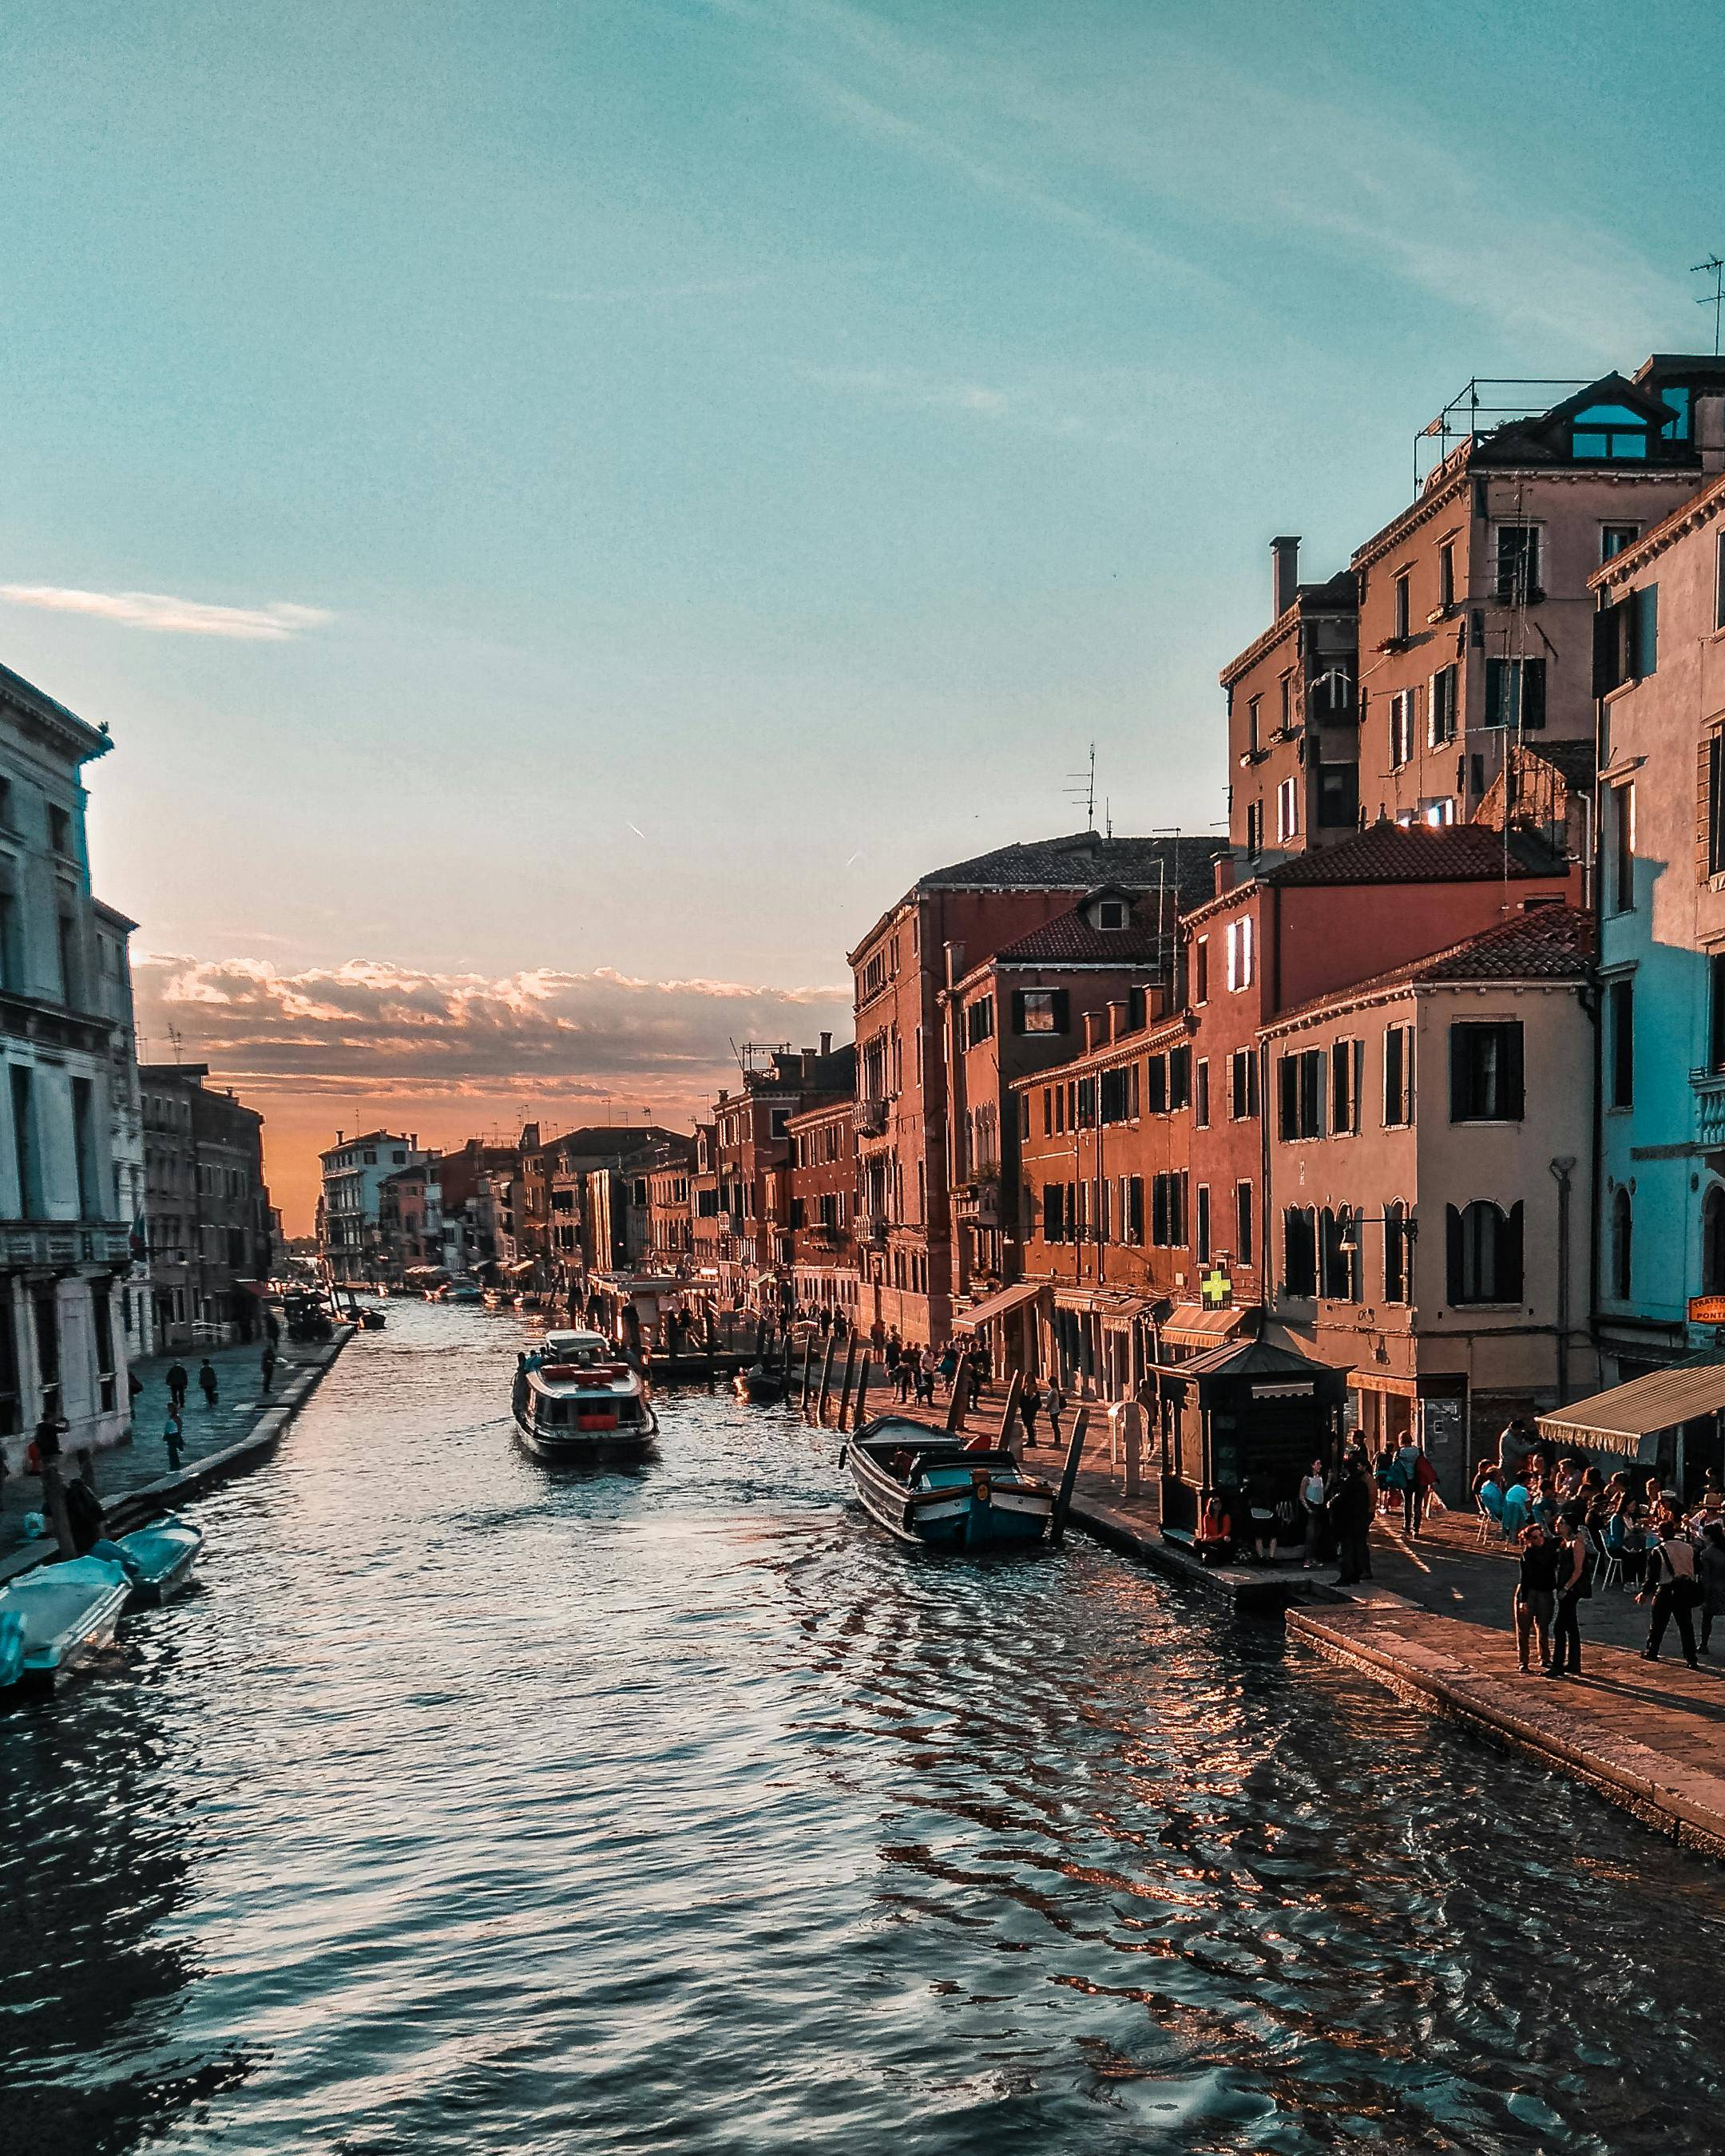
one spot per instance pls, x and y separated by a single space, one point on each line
1145 134
464 1040
274 622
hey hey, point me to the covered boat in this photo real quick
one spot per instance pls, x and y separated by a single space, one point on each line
925 1486
52 1617
763 1386
575 1398
158 1559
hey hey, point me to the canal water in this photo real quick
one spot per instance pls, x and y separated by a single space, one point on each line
468 1806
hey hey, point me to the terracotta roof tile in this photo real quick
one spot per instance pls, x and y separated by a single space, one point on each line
1419 852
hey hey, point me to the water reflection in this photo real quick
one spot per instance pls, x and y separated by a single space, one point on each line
473 1807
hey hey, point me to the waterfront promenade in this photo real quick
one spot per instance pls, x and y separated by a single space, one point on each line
142 1463
1434 1623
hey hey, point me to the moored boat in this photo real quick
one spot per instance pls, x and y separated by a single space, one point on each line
761 1386
371 1317
158 1559
51 1619
464 1290
924 1486
575 1398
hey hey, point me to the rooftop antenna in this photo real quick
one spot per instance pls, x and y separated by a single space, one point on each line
173 1034
1715 267
1082 786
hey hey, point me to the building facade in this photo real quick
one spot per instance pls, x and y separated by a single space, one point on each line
947 924
65 1245
354 1172
1429 1191
207 1207
1660 892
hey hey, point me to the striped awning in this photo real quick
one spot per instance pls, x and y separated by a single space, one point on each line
1190 1325
1618 1420
996 1306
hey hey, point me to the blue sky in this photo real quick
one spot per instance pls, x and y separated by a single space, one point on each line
617 489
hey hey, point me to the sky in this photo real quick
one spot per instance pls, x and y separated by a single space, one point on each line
568 509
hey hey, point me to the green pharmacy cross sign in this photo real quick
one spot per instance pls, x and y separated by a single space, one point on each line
1216 1289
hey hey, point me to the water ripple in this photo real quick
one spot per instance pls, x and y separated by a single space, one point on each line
467 1807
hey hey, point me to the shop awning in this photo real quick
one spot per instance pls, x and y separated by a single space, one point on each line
1190 1325
1618 1420
996 1306
1114 1306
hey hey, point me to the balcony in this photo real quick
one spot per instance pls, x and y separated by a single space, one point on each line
64 1242
977 1204
871 1230
871 1117
1709 1109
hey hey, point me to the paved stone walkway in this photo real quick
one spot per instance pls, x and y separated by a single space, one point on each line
240 1401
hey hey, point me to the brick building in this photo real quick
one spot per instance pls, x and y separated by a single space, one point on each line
1030 1006
813 1198
1293 722
1103 1143
752 1139
947 924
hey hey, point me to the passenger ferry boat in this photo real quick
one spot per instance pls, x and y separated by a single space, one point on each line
575 1398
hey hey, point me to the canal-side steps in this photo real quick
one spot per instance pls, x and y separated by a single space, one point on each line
130 1507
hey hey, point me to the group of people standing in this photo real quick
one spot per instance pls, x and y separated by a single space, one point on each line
1571 1524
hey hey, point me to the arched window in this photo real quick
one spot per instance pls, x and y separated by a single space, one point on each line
1623 1229
1484 1253
1712 1241
1609 430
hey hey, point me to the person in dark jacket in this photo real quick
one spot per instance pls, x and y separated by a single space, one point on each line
1353 1502
207 1379
177 1381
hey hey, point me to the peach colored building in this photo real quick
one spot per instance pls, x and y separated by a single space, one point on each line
1293 722
1428 1185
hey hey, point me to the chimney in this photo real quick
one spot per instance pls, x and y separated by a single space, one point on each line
955 964
1285 580
1224 873
826 1043
1092 1030
1117 1019
808 1062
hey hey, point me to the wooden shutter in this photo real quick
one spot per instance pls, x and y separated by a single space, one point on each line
1514 1090
1452 1229
1018 1010
1062 1011
1509 1254
1532 695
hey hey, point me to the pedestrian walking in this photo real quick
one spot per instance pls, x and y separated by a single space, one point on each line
1351 1504
1674 1590
901 1377
1574 1580
894 1353
948 1365
177 1381
206 1381
172 1436
1313 1492
1030 1407
268 1365
925 1377
1534 1605
1408 1460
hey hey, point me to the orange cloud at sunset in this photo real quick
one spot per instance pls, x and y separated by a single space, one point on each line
452 1055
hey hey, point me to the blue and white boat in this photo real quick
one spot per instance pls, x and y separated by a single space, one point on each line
51 1619
924 1486
158 1559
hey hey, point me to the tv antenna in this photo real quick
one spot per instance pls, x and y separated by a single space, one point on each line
173 1034
1715 268
1082 786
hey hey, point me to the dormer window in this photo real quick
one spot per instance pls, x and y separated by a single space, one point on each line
1609 430
1110 913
